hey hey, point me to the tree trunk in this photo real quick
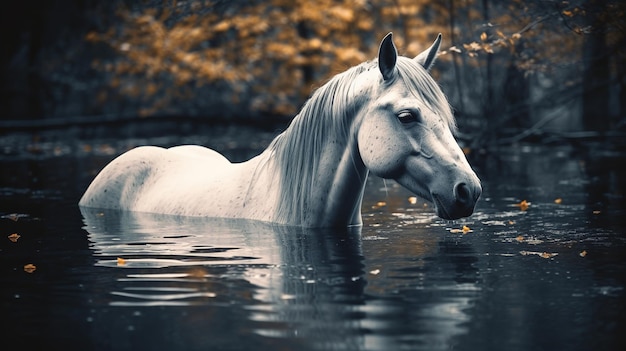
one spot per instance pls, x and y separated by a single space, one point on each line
596 75
455 64
488 99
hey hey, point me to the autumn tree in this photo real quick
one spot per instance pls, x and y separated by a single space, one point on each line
511 69
263 57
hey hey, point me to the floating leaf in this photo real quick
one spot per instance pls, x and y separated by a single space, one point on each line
558 200
29 268
13 237
375 271
379 204
13 216
523 205
540 254
519 238
121 261
463 230
412 200
583 253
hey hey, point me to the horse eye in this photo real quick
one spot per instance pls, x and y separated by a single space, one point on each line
407 117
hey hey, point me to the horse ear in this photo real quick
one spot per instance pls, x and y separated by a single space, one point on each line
387 57
427 58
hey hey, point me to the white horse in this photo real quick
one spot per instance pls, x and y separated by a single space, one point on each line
388 117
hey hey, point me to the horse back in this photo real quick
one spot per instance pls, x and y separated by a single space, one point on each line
119 183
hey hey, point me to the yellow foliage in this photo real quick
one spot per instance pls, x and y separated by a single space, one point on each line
264 49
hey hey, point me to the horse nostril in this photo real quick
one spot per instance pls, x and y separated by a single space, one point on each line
462 193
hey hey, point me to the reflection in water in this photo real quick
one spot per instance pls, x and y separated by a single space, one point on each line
308 286
289 281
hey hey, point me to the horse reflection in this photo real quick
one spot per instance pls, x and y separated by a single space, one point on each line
275 275
256 281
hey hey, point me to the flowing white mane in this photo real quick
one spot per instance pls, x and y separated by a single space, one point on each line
327 115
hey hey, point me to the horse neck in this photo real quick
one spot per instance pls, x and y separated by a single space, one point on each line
321 172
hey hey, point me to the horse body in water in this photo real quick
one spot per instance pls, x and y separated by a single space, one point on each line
388 117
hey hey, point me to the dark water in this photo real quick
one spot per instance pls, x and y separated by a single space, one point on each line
552 277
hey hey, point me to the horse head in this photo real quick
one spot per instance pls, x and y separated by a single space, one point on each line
406 132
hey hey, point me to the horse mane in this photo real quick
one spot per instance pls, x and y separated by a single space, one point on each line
327 116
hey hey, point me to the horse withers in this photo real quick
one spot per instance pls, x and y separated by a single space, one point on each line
387 116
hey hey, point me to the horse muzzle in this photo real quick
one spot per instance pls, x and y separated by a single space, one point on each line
460 202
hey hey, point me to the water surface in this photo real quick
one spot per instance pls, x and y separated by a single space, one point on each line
551 276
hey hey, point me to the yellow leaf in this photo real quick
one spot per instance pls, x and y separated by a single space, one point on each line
540 254
13 237
519 238
29 268
523 205
547 255
464 230
583 253
483 36
558 200
412 200
121 261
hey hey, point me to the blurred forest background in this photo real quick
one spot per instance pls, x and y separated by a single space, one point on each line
513 70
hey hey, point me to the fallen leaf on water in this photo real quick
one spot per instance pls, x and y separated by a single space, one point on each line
523 205
540 254
29 268
13 216
558 200
412 200
463 230
379 204
121 261
519 238
597 212
13 237
375 271
583 253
